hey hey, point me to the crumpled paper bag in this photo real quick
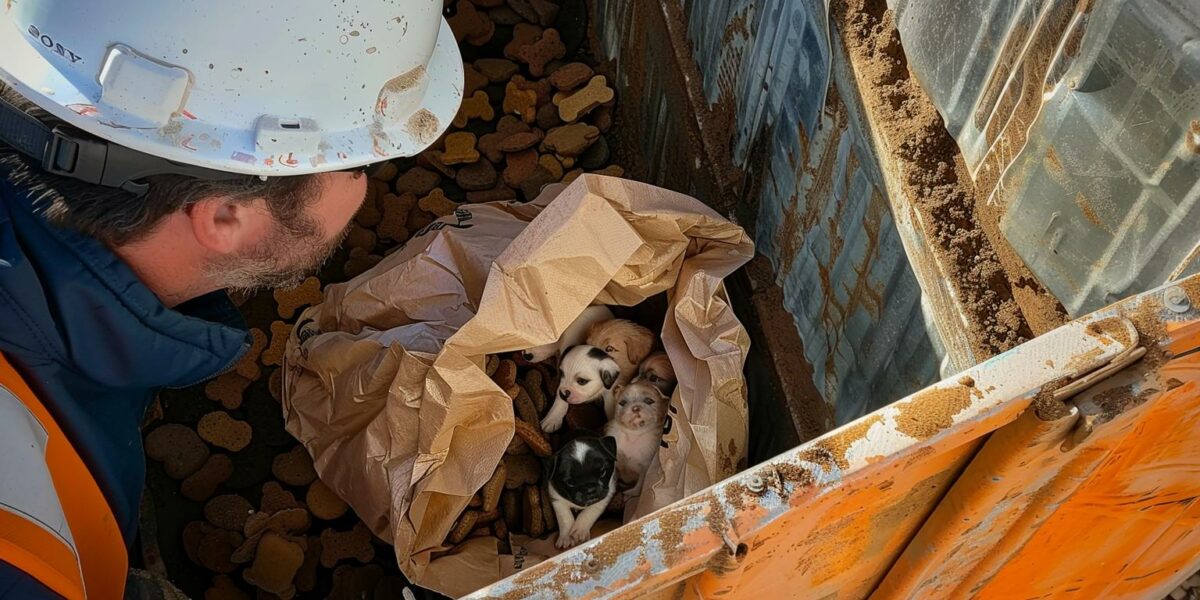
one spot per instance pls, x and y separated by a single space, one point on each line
384 382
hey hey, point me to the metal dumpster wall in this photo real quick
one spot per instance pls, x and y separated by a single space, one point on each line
766 102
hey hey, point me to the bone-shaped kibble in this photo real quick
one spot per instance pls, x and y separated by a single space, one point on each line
460 148
520 102
308 292
577 104
474 107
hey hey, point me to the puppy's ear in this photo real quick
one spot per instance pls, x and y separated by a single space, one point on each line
609 375
610 445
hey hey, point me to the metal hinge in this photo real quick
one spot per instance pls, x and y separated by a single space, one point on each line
1089 420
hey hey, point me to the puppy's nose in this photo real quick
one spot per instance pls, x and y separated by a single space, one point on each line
637 409
564 394
527 355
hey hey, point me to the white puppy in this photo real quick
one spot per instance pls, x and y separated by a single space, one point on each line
638 429
574 334
588 374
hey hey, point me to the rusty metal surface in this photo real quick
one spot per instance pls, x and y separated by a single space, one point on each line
834 513
815 202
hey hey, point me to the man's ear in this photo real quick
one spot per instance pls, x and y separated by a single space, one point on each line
224 227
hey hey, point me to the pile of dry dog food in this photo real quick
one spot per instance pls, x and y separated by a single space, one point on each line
234 508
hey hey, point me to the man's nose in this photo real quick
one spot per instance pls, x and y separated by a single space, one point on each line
564 394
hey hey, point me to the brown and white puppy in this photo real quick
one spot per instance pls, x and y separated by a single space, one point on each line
638 428
657 370
581 476
574 334
587 374
627 342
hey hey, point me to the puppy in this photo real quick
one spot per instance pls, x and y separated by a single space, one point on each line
574 334
657 370
638 429
581 476
588 374
627 342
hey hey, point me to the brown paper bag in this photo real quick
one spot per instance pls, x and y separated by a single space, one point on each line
384 380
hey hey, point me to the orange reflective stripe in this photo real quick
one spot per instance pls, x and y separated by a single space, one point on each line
43 555
102 554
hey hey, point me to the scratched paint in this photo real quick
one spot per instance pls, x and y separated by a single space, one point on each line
834 513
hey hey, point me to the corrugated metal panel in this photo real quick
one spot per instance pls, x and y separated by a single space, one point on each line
822 218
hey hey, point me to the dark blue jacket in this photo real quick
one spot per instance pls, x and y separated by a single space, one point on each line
96 344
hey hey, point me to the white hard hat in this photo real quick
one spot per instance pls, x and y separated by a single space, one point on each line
259 88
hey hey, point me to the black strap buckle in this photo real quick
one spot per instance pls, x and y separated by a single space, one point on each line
79 157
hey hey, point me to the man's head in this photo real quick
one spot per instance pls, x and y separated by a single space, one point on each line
246 233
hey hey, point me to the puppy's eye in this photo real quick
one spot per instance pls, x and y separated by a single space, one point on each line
582 381
623 402
609 349
648 401
652 377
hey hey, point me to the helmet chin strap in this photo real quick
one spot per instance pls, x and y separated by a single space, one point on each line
68 152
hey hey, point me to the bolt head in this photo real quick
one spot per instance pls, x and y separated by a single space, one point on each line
1176 300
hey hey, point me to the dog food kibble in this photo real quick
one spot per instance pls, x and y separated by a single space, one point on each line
216 548
362 238
570 140
492 489
202 484
520 471
396 209
532 435
464 526
477 176
577 104
475 106
308 292
340 545
491 365
611 171
224 431
418 181
548 47
523 34
468 23
542 12
524 408
520 102
323 502
473 80
306 577
437 203
517 447
521 141
520 167
248 366
497 193
227 389
228 511
548 518
460 149
273 355
506 374
532 517
275 565
275 498
570 76
294 467
178 448
497 70
432 158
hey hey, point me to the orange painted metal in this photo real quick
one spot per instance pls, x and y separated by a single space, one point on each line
831 516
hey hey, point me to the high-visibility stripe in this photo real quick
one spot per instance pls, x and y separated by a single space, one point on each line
102 556
45 557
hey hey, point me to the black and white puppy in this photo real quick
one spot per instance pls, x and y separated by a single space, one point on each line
587 374
582 476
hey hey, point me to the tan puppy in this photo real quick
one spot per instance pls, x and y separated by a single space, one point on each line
625 341
657 371
638 428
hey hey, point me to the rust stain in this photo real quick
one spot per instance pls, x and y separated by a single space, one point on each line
1089 213
1192 138
840 443
931 411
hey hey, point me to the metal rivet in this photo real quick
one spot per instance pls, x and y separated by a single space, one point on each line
1177 300
756 484
591 564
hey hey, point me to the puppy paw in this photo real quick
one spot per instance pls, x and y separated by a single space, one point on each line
552 423
564 540
579 534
